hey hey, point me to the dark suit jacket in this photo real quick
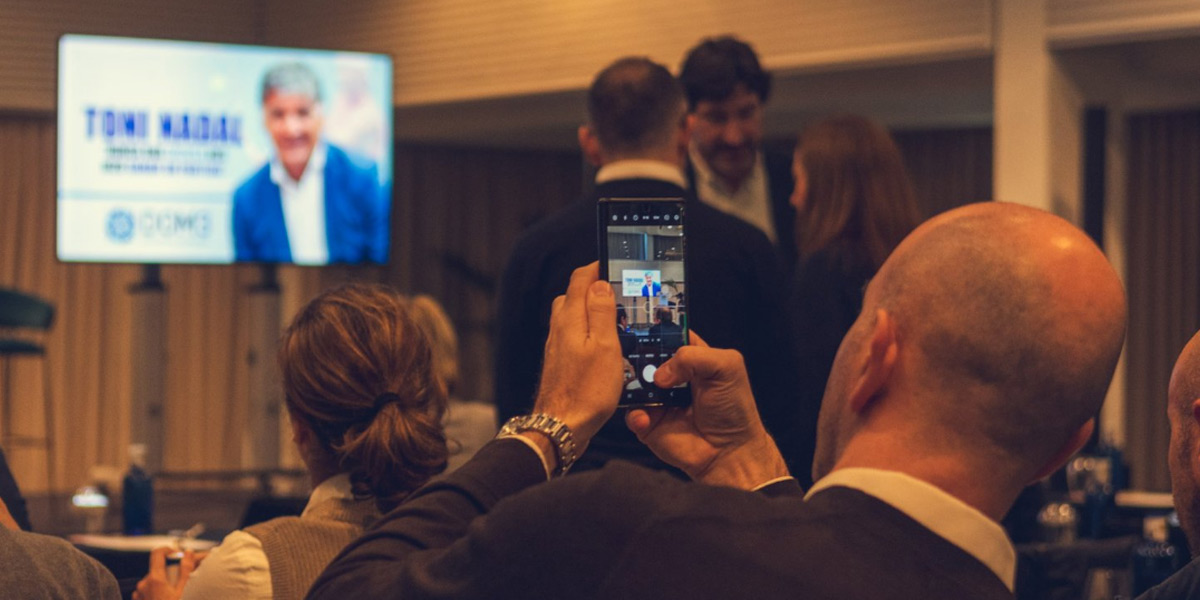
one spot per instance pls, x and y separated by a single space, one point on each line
1182 585
670 333
356 215
780 183
734 299
626 532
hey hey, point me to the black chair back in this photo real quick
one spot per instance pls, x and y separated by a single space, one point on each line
18 309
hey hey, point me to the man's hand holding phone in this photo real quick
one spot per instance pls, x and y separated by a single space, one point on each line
582 374
719 439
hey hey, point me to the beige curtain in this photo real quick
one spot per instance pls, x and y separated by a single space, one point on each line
88 362
1163 277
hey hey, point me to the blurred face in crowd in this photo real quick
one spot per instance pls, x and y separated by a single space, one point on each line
727 134
294 123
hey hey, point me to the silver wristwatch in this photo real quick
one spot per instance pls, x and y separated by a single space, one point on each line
556 430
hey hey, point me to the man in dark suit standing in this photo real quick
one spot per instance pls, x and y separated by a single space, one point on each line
983 351
666 329
636 135
727 92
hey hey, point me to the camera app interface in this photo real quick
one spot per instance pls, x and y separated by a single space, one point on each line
645 245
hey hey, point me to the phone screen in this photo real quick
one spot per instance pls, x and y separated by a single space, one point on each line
643 250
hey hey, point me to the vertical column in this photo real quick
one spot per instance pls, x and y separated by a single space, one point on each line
1065 139
149 357
1021 168
261 443
1113 415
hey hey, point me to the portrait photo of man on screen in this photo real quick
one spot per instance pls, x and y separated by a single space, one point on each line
313 202
652 288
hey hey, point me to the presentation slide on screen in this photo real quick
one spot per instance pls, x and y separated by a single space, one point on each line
168 152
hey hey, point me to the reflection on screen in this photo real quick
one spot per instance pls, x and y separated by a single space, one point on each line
646 251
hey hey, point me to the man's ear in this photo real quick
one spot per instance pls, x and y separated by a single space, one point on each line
301 433
683 137
880 362
1064 453
1193 453
589 144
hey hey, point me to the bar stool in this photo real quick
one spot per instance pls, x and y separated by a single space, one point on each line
24 311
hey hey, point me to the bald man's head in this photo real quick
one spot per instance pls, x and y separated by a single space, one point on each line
1183 411
1009 323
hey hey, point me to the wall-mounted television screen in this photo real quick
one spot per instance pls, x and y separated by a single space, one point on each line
186 152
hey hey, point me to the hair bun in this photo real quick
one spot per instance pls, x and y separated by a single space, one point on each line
384 399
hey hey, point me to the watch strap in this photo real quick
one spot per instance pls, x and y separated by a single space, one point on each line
559 434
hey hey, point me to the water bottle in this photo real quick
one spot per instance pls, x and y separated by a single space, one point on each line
138 496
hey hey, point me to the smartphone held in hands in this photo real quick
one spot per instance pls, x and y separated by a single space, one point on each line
643 255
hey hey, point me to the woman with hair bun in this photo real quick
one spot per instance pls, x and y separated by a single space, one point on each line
366 410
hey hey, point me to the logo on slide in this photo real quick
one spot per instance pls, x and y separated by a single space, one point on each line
120 225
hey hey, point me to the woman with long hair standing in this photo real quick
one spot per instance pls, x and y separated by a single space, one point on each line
854 203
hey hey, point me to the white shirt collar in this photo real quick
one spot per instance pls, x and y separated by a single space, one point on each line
314 168
751 202
941 513
641 169
334 488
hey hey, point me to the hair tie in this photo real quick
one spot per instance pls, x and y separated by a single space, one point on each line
385 399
